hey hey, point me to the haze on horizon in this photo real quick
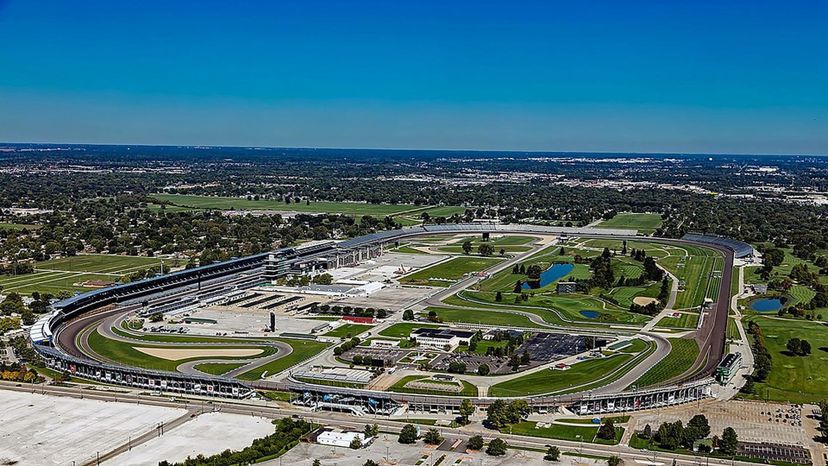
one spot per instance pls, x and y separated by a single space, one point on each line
632 76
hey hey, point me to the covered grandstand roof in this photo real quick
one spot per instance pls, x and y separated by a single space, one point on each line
739 248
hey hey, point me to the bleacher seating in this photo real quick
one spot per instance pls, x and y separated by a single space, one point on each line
739 248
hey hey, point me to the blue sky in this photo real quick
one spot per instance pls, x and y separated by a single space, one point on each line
701 76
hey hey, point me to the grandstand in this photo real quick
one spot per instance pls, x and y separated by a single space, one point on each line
740 249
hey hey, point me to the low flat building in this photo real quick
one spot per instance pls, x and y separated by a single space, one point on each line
342 439
728 368
385 343
441 338
566 287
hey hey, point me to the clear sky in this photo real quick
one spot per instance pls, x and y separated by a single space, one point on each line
677 76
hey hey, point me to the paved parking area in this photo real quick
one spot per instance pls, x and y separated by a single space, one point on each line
397 454
553 346
753 421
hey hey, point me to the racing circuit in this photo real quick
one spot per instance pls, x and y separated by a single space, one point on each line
62 336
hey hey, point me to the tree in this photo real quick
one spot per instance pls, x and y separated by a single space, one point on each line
371 430
614 461
483 369
475 443
670 435
699 426
467 246
729 441
497 447
371 462
823 419
316 462
498 296
433 437
607 430
408 434
485 249
552 454
408 314
466 411
356 444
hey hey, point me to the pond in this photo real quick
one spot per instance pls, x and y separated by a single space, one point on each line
591 314
553 273
766 305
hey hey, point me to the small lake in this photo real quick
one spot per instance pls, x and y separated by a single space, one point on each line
766 305
591 314
553 273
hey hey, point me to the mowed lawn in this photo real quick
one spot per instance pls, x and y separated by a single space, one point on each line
682 355
585 434
403 330
644 223
100 263
348 329
302 350
557 381
445 273
796 379
69 273
236 203
474 316
685 320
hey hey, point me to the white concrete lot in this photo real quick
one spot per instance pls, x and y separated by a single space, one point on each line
45 430
398 454
206 434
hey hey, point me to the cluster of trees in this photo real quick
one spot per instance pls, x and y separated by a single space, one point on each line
349 310
287 434
17 268
348 345
366 360
798 347
13 305
650 309
762 361
602 274
16 372
484 249
823 419
674 435
502 413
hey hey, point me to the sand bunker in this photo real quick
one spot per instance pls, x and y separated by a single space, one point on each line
643 300
177 354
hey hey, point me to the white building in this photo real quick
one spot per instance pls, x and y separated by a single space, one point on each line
441 338
342 439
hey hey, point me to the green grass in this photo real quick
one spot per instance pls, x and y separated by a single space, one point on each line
690 321
469 390
733 330
549 381
68 273
644 223
100 263
217 368
799 294
405 249
796 379
683 354
348 329
233 203
403 330
17 226
696 273
302 350
125 353
444 273
563 432
483 317
50 282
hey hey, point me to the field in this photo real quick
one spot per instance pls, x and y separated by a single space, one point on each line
483 317
682 355
797 379
68 274
556 381
125 353
403 330
348 329
217 368
696 272
783 269
584 434
17 226
508 243
469 390
644 223
444 273
349 208
683 321
302 350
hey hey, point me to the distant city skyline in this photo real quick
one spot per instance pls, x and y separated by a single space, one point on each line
599 76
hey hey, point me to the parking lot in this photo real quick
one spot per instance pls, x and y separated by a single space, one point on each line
553 346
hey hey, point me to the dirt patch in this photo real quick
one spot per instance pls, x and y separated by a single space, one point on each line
643 300
177 354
